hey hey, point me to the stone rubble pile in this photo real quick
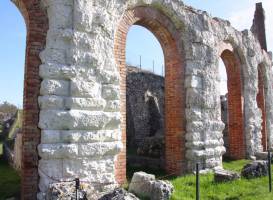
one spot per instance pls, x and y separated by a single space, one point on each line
67 191
119 194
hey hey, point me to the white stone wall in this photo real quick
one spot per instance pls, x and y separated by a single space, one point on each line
79 102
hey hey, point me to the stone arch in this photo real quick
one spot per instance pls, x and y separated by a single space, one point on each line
36 25
166 33
262 103
236 137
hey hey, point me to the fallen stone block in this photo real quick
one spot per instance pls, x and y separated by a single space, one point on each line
146 186
255 169
221 175
161 190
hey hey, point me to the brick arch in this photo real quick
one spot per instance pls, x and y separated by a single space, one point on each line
164 30
261 103
36 25
236 138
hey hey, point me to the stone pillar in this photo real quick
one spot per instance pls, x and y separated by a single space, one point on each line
258 26
79 98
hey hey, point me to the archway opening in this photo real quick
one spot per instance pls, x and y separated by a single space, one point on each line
261 104
164 30
224 101
12 62
235 140
144 100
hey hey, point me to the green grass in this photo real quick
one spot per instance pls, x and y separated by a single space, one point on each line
243 189
9 178
9 181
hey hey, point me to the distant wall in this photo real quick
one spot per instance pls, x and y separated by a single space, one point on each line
145 105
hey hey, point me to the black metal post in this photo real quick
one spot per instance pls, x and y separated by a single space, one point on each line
269 171
77 180
197 182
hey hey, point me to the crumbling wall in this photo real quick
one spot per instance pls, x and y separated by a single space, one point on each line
145 105
80 113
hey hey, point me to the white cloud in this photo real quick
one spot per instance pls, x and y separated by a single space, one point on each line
242 19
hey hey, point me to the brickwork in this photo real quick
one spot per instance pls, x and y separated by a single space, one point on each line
261 104
163 29
237 149
81 94
37 25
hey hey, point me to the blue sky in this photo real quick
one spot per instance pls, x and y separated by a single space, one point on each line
140 41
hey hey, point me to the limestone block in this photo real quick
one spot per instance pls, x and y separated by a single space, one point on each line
51 102
194 155
212 126
109 77
73 120
54 87
99 149
58 151
194 136
211 100
195 126
83 15
58 39
110 92
102 135
193 82
50 137
83 58
45 168
114 121
83 40
195 98
92 104
194 114
213 143
50 55
140 183
83 88
54 136
222 175
60 15
112 106
56 71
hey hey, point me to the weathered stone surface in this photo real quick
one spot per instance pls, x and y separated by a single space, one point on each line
144 104
221 175
140 184
80 93
66 191
152 147
161 190
119 194
145 186
255 169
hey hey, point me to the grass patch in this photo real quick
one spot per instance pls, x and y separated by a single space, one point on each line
9 181
9 178
243 189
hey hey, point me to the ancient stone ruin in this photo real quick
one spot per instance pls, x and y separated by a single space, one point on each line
75 89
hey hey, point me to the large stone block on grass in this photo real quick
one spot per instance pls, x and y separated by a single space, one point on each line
255 169
222 175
